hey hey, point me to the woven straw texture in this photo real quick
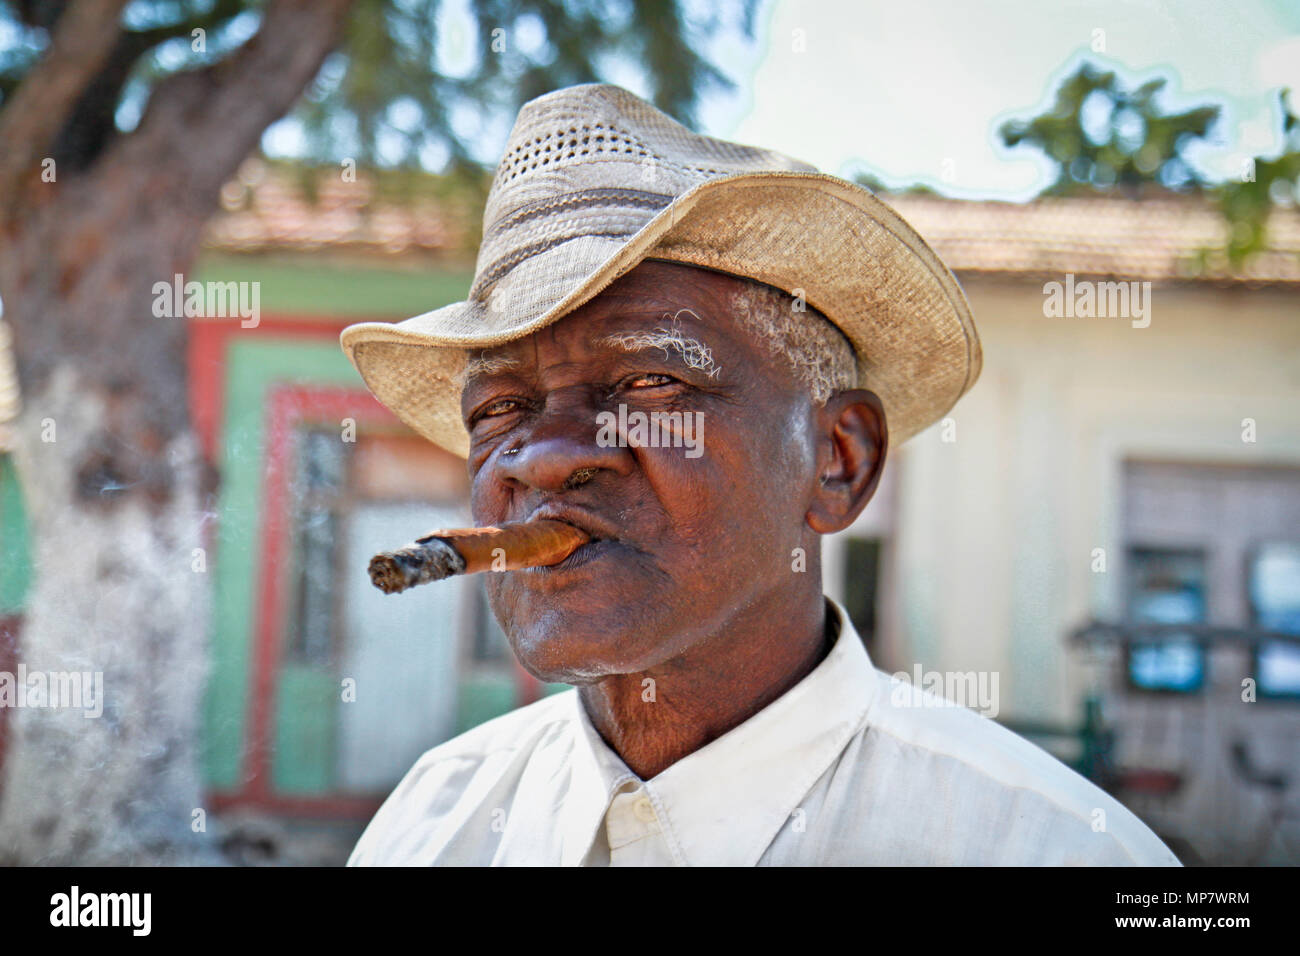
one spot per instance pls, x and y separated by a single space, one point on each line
596 180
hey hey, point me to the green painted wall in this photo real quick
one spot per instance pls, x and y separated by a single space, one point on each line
253 368
482 698
306 730
307 287
15 547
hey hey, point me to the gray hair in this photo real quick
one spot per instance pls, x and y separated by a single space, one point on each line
817 352
693 352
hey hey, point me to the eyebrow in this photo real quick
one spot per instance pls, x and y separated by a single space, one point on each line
486 365
693 352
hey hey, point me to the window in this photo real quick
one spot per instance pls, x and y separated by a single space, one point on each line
318 491
1274 585
1166 586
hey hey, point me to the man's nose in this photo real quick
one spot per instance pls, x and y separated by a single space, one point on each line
560 451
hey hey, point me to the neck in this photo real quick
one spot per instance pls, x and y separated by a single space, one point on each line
752 660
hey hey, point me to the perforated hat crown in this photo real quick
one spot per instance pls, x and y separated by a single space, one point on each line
595 180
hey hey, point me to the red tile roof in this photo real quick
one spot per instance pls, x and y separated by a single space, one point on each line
264 209
1156 239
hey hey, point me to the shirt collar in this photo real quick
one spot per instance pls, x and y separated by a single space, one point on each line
724 804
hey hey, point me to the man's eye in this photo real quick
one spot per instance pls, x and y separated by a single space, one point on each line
648 380
499 407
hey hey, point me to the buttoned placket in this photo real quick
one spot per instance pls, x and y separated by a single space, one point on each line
633 830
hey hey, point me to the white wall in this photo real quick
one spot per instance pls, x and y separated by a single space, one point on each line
989 556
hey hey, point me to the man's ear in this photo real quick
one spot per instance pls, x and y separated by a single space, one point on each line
851 446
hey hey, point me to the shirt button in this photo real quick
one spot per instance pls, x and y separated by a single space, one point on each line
644 810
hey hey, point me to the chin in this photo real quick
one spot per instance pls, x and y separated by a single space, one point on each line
571 646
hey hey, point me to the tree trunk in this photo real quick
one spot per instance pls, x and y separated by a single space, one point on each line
107 456
114 595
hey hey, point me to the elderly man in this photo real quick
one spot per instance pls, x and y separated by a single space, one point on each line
782 326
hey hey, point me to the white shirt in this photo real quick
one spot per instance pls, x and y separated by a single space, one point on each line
847 767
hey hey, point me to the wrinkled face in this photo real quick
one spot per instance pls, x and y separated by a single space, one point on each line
692 518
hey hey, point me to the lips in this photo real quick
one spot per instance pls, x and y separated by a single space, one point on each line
591 551
598 530
604 537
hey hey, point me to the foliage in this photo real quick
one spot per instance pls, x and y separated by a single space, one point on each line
1246 201
1104 136
414 82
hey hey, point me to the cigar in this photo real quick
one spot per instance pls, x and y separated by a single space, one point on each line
442 554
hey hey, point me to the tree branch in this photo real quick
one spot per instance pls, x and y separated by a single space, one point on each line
40 13
209 120
91 123
36 112
221 11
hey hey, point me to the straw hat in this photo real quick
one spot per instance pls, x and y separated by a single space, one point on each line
596 180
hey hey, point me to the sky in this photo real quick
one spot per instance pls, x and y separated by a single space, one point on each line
913 92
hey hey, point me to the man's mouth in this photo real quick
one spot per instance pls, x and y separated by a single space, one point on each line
595 527
603 539
591 551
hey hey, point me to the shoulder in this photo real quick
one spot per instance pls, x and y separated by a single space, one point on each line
461 780
1011 800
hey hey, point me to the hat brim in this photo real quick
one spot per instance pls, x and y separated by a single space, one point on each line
845 252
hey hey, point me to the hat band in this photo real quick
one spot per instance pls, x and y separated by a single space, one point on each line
631 198
596 213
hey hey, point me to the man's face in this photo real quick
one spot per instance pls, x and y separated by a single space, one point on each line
686 537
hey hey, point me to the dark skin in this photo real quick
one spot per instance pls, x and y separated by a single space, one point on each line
690 582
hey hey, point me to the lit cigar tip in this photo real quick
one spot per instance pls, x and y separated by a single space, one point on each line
428 559
386 574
